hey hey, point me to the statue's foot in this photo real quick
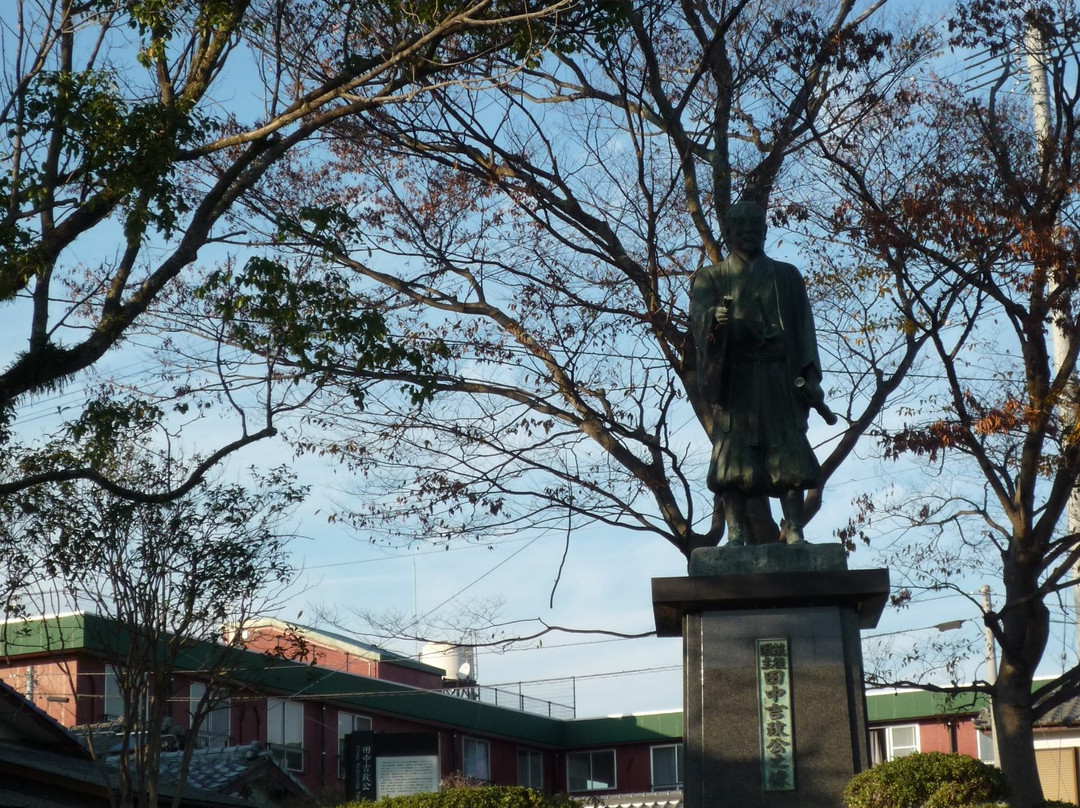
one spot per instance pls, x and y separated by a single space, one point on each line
736 536
791 533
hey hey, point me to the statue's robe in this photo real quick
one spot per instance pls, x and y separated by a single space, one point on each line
748 370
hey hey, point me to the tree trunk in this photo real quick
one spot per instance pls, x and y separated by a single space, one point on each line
1024 624
1013 723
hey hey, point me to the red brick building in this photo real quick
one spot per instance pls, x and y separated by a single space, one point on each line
303 708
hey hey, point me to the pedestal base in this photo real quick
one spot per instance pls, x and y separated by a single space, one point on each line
759 734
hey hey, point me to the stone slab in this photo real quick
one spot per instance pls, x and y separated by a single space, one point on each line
754 558
723 730
864 591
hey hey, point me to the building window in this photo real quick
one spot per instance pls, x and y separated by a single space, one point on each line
113 708
347 723
530 765
285 732
986 746
114 698
216 727
476 755
889 743
667 767
590 771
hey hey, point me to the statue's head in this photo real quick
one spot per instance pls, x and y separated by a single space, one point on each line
745 227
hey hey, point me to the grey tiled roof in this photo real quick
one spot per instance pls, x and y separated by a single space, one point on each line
221 771
21 719
45 765
105 739
1064 715
216 769
49 763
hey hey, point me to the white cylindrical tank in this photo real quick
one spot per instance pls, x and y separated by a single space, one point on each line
455 660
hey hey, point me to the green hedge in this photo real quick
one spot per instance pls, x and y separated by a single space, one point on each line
475 797
927 780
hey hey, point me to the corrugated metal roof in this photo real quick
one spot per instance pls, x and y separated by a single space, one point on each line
286 678
623 729
656 799
346 643
909 704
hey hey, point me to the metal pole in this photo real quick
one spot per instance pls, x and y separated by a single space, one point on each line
991 665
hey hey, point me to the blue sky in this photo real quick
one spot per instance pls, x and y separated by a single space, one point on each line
604 583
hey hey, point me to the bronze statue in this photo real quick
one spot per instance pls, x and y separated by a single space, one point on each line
758 366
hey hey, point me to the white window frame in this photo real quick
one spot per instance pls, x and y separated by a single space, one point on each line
348 723
984 740
680 771
112 695
476 758
285 732
893 750
215 730
590 781
530 768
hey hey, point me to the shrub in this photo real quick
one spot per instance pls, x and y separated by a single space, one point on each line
930 780
474 797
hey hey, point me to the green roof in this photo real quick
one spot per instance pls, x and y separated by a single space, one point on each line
288 679
623 729
104 638
295 680
912 704
49 635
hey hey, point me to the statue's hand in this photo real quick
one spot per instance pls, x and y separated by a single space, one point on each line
810 390
722 315
815 398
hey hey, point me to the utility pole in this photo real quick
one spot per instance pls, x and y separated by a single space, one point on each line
1035 52
988 635
991 663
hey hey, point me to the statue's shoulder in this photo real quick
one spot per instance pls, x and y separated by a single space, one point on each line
725 266
785 267
787 274
709 273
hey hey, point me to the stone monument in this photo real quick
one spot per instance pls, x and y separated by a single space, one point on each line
774 709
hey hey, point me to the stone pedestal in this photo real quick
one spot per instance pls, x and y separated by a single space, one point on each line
774 712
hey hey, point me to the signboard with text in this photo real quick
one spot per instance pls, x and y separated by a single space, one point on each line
388 764
396 776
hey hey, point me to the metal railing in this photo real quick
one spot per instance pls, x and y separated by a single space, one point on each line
208 739
512 699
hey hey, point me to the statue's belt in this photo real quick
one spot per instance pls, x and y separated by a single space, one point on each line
771 352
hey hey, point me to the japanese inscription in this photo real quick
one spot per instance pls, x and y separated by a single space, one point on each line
399 775
774 696
359 765
365 774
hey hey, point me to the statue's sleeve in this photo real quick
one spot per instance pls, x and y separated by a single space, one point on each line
704 298
805 348
702 305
